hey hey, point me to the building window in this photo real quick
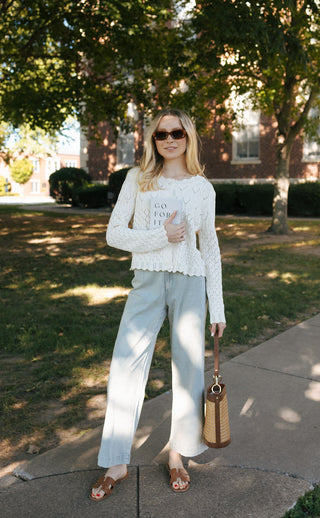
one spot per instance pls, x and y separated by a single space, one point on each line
35 186
70 163
311 150
125 149
246 139
311 145
52 165
36 166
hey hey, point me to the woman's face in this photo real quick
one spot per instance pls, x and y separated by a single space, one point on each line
171 148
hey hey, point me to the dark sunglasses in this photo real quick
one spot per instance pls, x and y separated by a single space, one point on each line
177 134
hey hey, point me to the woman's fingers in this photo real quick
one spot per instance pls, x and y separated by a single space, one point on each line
221 327
175 233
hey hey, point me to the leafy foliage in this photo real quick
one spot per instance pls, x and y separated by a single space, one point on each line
21 170
268 51
266 48
304 199
92 196
307 506
65 180
256 200
2 185
62 57
116 180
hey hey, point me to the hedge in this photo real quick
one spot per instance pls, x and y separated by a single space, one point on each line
304 199
65 180
250 200
116 180
256 200
71 185
92 196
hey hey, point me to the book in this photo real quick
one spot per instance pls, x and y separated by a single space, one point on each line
162 208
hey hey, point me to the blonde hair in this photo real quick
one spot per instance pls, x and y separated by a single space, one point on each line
152 162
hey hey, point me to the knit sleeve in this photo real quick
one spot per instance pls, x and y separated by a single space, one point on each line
119 235
210 252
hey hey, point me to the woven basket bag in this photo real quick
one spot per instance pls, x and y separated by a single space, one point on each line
216 426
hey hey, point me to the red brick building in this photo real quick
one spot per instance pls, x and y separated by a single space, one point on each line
250 155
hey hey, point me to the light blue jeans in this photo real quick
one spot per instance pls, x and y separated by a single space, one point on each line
154 296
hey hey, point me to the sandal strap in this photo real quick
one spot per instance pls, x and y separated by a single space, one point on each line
104 484
179 473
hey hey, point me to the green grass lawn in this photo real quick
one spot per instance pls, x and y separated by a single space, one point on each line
62 294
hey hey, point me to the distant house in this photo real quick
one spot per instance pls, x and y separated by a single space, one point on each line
66 155
249 156
42 169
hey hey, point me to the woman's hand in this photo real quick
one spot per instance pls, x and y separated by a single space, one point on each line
175 233
221 328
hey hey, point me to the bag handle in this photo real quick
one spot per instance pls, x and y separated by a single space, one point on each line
216 387
216 353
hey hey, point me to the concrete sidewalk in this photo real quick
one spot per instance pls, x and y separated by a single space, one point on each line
274 402
48 204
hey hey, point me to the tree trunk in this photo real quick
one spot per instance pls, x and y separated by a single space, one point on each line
279 223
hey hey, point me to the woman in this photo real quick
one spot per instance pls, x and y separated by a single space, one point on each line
172 277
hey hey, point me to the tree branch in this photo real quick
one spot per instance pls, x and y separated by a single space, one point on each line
297 127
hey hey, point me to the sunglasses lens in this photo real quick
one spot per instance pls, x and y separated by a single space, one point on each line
160 135
175 134
178 134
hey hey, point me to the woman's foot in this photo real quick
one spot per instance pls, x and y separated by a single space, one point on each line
105 485
179 477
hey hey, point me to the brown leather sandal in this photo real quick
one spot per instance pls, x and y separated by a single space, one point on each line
107 486
174 475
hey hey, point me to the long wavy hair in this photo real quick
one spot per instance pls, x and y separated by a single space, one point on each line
152 162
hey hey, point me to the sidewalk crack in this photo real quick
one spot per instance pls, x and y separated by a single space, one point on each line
275 371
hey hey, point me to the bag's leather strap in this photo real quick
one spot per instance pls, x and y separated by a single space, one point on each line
216 353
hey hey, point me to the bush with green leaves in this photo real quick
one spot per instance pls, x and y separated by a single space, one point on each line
2 185
234 198
307 506
226 198
92 196
64 181
256 200
116 180
304 199
21 170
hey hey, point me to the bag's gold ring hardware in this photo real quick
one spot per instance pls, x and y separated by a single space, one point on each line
216 389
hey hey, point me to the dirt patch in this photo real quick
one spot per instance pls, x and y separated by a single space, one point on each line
308 250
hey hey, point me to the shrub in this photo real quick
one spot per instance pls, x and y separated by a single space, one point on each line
65 180
233 198
21 170
92 196
304 199
2 185
254 199
116 180
307 506
226 196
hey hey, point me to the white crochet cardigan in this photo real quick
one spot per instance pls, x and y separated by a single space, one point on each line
151 249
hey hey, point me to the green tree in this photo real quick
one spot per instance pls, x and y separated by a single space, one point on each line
5 132
21 170
32 142
269 49
88 59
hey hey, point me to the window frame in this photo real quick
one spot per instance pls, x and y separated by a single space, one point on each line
249 121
